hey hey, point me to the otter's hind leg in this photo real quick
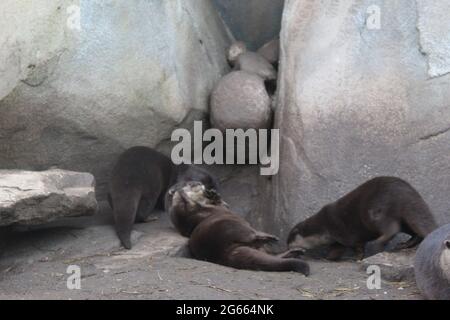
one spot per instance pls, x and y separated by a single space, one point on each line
336 252
388 231
262 238
252 259
146 206
292 253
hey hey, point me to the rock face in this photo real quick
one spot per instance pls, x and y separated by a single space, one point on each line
240 101
75 95
253 62
253 21
29 198
356 102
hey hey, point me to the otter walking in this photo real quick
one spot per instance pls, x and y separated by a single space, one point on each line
139 182
374 212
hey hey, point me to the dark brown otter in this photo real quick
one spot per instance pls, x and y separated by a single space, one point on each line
220 236
371 214
139 182
185 197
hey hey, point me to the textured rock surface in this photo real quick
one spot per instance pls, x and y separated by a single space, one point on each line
240 101
434 27
77 98
271 51
253 21
394 266
28 198
355 103
253 62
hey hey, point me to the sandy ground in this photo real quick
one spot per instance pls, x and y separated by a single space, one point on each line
33 263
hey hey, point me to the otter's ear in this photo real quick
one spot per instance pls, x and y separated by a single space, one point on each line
447 244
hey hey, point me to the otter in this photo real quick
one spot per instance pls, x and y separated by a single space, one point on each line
371 214
138 183
271 51
181 214
236 49
220 236
432 265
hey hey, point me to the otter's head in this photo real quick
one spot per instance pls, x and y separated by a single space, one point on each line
189 203
308 234
190 173
445 259
235 50
189 195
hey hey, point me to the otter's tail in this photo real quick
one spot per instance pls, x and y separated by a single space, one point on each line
125 208
253 259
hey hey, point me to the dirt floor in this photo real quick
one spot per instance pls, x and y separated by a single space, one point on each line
33 264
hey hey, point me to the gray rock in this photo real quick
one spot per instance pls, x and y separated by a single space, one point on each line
254 63
394 266
271 51
355 103
434 27
240 101
253 21
30 198
76 98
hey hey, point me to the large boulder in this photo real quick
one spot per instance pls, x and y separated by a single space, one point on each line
357 102
253 21
30 198
240 101
75 95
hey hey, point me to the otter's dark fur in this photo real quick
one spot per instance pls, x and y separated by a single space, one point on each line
372 213
139 182
220 236
432 265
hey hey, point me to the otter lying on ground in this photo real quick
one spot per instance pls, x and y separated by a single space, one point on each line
374 212
139 182
220 236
